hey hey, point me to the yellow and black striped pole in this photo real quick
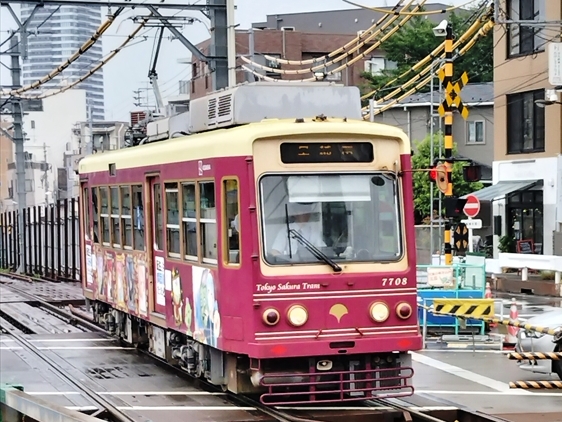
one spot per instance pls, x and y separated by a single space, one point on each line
448 84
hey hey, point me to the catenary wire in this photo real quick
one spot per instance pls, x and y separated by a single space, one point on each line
94 69
424 13
481 33
337 51
347 64
323 65
433 55
85 47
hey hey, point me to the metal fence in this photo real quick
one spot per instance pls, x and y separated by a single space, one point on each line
50 240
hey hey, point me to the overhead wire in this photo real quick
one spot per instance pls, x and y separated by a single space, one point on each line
337 51
487 27
429 58
347 64
342 57
424 13
85 47
92 70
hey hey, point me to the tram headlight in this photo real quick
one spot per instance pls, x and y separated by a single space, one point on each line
403 310
379 312
297 315
271 316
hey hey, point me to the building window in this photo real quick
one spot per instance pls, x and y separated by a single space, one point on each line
475 133
523 39
29 185
525 123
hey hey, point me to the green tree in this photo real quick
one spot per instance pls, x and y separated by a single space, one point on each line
422 160
415 41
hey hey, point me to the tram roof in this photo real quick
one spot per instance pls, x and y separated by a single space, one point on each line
232 142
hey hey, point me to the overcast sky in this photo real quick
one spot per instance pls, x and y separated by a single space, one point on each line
128 71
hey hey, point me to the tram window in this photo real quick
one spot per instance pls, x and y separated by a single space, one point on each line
208 221
172 219
189 222
126 219
138 219
232 223
104 214
86 210
158 215
95 214
115 223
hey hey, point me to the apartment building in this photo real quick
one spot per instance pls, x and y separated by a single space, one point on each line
527 170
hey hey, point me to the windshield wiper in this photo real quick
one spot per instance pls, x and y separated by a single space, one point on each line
318 254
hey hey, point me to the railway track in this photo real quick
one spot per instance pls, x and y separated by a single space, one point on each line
395 410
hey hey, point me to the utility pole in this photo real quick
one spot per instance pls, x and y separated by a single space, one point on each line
448 84
18 141
90 125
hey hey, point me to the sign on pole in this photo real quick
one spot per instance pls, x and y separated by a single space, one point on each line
555 63
472 206
472 224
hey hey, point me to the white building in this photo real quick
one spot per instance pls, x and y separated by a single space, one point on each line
48 140
527 206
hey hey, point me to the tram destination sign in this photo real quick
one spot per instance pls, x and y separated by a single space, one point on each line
329 152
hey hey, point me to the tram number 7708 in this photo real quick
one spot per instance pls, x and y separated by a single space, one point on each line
387 282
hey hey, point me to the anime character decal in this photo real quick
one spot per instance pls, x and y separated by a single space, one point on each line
207 316
177 297
188 317
130 276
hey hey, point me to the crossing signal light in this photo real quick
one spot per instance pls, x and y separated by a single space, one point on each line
453 206
438 175
472 173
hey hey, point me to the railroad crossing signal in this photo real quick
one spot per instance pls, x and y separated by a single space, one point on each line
453 95
461 237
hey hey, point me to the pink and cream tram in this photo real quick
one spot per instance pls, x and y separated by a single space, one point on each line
270 250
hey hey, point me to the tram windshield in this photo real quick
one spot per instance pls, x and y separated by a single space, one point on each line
330 218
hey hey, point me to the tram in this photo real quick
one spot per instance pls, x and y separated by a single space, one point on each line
270 249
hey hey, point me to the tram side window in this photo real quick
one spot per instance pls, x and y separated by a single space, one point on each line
126 217
95 214
189 222
86 210
115 217
104 214
172 220
208 221
232 226
138 219
157 197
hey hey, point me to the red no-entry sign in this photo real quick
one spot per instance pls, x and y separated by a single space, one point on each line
472 206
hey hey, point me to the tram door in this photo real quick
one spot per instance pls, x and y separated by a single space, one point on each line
156 245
